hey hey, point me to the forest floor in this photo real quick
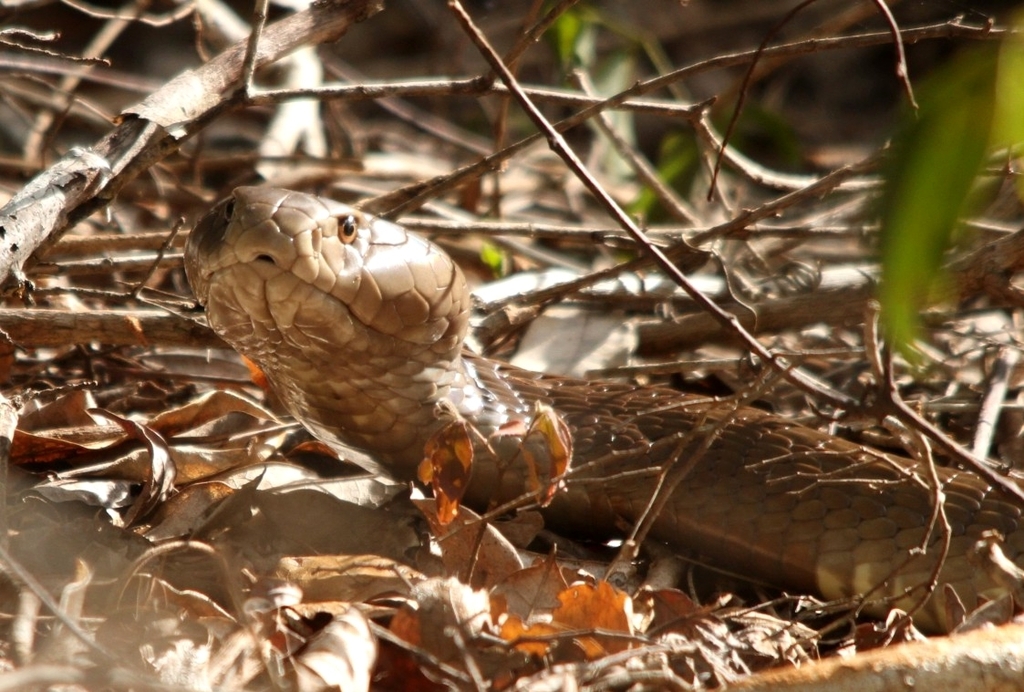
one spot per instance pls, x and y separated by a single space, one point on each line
167 526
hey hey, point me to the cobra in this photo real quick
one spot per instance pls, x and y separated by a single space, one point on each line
359 327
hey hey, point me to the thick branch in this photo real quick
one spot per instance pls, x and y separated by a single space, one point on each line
84 181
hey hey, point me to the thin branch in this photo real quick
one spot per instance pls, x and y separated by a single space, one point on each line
259 21
995 396
559 145
902 71
741 96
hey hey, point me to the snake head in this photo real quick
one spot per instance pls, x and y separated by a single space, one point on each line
282 262
357 323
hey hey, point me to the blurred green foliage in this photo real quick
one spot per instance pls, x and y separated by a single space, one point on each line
494 258
678 159
572 36
678 162
968 110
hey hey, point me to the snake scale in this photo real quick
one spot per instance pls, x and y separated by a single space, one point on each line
358 325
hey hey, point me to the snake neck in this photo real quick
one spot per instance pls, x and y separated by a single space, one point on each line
386 412
484 397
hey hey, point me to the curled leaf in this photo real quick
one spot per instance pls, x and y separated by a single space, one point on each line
446 466
556 441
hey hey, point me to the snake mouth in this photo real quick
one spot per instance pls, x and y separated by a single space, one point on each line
257 228
247 267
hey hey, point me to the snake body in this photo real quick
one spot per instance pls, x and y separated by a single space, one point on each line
358 325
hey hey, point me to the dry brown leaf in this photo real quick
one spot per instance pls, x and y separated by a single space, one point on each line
521 529
173 634
221 365
598 606
471 548
341 656
764 640
584 612
64 445
198 464
69 410
160 482
546 445
674 611
448 618
256 375
62 430
353 578
7 357
206 409
532 590
184 513
106 493
897 628
446 466
47 543
535 639
557 443
406 626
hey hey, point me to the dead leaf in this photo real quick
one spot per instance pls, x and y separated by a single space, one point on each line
446 466
162 471
546 445
596 607
521 529
108 494
353 578
204 410
62 430
672 608
535 639
472 548
66 445
256 375
7 357
584 612
341 656
184 513
569 340
897 628
166 637
69 410
557 443
449 617
532 590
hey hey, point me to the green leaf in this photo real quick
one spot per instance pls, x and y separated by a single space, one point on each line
678 158
574 36
494 258
1008 125
563 34
935 161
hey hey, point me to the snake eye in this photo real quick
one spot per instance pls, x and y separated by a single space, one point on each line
348 229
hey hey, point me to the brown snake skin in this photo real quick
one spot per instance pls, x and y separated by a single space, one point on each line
358 324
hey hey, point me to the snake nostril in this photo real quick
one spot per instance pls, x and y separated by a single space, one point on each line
264 258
